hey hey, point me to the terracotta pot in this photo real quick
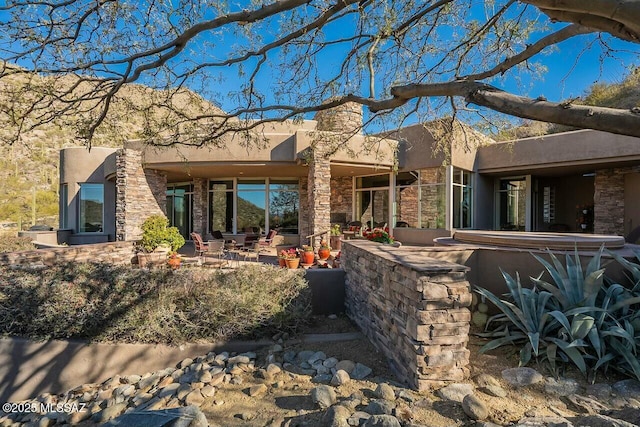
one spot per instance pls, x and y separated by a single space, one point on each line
293 263
323 254
308 257
282 262
174 263
336 242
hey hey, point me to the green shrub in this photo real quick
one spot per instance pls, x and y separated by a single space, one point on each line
156 232
579 318
102 302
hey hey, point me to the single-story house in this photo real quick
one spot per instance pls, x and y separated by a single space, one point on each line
299 178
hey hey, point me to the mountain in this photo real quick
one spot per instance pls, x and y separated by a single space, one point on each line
29 167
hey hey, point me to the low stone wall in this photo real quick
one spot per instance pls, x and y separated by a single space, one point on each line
113 252
413 308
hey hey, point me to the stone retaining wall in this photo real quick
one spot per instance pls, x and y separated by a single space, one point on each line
113 253
413 308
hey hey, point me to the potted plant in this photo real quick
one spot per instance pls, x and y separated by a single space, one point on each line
158 239
325 250
290 258
336 260
380 235
336 237
307 256
174 260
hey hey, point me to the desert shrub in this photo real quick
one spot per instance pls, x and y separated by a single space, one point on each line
156 232
579 318
102 302
14 243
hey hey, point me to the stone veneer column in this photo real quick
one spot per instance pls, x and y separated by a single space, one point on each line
608 201
303 227
140 193
319 192
199 218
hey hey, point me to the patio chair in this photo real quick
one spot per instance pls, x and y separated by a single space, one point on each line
253 253
212 247
267 242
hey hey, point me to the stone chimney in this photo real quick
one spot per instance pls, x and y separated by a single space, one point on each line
345 118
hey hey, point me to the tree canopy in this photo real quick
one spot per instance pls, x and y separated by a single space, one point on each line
73 59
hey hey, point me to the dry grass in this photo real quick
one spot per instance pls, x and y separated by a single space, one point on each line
101 302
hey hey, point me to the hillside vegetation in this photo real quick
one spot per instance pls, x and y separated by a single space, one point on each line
29 168
625 94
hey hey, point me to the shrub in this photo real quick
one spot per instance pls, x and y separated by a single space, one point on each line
102 302
156 232
579 318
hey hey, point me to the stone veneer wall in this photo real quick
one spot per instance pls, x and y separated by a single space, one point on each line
412 308
113 253
319 193
303 226
342 196
140 193
200 199
608 200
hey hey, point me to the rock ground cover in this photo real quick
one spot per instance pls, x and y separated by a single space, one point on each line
342 384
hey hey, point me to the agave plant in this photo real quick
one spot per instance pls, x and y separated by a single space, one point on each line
577 318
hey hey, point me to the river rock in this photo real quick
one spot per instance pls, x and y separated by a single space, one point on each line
523 376
360 372
340 377
345 365
627 388
384 391
317 356
330 362
455 392
109 413
561 386
380 407
195 398
544 422
382 421
490 385
474 407
336 416
323 396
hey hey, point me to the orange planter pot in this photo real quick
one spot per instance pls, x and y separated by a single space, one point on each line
323 254
293 263
307 257
282 262
174 263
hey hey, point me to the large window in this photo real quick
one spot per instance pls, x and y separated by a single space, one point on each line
260 205
179 207
91 205
421 199
221 206
462 198
512 200
372 200
284 203
251 206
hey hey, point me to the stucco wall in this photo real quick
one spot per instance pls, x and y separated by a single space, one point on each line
79 165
